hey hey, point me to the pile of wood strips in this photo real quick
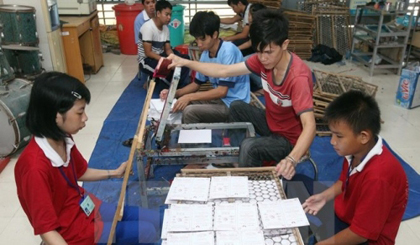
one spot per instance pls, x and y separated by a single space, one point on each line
328 87
301 32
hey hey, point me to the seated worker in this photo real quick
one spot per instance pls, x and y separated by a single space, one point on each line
155 43
143 17
241 8
287 126
247 51
47 172
212 105
246 47
371 193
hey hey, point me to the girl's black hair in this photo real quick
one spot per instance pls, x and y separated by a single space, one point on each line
52 93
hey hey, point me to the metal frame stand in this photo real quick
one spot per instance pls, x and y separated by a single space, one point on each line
163 154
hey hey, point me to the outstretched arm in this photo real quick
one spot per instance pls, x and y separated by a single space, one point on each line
286 167
314 203
210 69
231 20
93 174
212 94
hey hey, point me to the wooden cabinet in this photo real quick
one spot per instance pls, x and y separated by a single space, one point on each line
82 44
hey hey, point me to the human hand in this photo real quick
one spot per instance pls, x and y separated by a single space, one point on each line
313 204
119 172
163 94
176 61
181 103
286 169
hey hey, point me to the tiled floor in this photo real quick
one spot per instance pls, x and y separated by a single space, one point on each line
401 129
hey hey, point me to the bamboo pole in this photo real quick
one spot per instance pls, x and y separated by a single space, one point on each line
136 140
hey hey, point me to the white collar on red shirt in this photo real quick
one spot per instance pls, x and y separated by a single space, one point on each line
376 150
51 154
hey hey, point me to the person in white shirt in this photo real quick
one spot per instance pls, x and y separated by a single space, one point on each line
143 17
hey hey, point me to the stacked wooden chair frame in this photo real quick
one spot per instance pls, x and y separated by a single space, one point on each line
328 87
301 32
332 22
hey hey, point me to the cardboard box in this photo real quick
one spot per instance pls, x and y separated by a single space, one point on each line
392 53
408 92
415 39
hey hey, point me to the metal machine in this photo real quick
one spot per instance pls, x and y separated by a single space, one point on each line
160 145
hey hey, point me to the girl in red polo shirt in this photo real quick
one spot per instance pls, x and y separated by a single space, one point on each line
48 169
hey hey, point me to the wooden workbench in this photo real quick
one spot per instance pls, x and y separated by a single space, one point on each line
82 44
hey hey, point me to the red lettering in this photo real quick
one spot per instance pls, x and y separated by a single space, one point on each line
405 89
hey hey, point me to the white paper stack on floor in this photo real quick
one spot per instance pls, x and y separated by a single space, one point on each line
255 237
188 189
156 108
282 214
229 187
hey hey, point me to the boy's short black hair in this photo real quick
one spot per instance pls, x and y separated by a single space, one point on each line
235 2
256 7
204 23
162 4
359 110
52 92
268 26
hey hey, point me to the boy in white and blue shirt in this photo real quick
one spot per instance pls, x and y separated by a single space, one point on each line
212 105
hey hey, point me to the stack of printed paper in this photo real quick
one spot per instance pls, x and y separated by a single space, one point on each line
229 187
236 216
189 217
282 214
188 189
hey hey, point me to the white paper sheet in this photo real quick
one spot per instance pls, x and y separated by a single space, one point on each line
166 219
282 214
236 216
255 237
190 217
191 238
188 189
194 136
156 108
229 187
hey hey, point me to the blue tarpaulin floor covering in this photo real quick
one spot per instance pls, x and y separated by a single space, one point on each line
122 122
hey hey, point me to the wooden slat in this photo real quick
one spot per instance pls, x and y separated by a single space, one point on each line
136 141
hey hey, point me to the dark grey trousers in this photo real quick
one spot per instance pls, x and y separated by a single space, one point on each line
267 147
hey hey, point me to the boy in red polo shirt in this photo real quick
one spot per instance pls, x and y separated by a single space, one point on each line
371 194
